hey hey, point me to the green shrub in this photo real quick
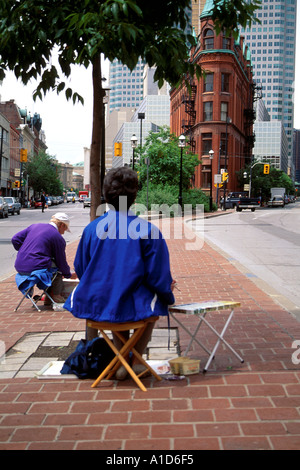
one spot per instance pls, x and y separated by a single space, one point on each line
168 195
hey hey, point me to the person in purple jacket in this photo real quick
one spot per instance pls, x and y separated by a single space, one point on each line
41 246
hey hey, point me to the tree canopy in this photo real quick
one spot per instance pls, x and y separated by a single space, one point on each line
79 31
261 184
164 156
43 174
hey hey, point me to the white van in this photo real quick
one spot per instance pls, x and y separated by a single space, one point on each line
70 196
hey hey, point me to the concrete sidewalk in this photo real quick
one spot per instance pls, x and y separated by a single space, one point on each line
254 405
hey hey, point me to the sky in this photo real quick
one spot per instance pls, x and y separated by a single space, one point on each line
68 127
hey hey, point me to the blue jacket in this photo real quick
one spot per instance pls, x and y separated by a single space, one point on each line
122 262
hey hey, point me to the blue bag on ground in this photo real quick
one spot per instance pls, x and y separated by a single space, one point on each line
89 359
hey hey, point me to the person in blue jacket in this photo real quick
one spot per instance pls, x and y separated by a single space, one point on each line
123 264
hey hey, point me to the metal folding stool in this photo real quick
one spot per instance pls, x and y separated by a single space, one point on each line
200 310
36 298
121 356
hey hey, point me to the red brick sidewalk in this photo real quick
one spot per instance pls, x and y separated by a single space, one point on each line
254 405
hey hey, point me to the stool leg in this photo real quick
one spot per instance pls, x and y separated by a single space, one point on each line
119 357
137 354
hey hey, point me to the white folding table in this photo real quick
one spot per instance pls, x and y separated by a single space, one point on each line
201 309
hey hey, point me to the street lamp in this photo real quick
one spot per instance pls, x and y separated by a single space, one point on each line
211 156
133 141
141 116
181 145
228 121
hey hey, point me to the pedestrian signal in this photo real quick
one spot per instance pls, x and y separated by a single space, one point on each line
224 176
118 149
266 169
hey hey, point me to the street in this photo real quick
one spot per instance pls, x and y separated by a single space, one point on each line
8 227
265 245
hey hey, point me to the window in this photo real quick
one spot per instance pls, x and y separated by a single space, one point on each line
209 82
226 42
209 39
206 175
225 82
224 111
206 143
223 144
207 111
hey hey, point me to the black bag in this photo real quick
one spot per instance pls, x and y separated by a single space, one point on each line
89 359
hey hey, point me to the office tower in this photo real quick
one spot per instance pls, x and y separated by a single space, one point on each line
272 44
197 7
126 87
296 148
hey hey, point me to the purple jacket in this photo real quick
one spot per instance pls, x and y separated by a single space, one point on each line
38 246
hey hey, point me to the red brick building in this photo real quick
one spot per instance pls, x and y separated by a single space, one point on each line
218 113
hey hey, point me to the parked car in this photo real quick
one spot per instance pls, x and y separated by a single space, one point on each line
13 205
60 199
3 208
37 203
55 200
277 201
87 202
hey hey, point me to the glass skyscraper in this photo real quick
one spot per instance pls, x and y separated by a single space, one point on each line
126 87
272 44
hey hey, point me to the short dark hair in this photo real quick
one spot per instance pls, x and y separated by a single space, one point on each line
120 182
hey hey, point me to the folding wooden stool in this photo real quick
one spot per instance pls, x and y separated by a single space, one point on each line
122 355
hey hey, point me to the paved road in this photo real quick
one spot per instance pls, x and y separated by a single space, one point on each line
266 245
8 227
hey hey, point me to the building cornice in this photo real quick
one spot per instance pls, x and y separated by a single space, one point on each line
220 51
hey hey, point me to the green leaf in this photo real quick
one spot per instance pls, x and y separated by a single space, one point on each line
68 93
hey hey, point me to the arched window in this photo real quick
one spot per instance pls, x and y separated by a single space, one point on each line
208 39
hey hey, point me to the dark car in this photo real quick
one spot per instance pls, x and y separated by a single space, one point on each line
3 208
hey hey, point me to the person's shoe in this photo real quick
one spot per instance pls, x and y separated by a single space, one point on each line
139 368
58 299
121 373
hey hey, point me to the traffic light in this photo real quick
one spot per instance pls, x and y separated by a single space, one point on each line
118 149
266 169
17 184
224 176
23 155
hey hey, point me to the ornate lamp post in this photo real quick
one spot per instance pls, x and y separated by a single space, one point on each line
181 145
133 141
211 156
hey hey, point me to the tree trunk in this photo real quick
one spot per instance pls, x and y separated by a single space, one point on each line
97 138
